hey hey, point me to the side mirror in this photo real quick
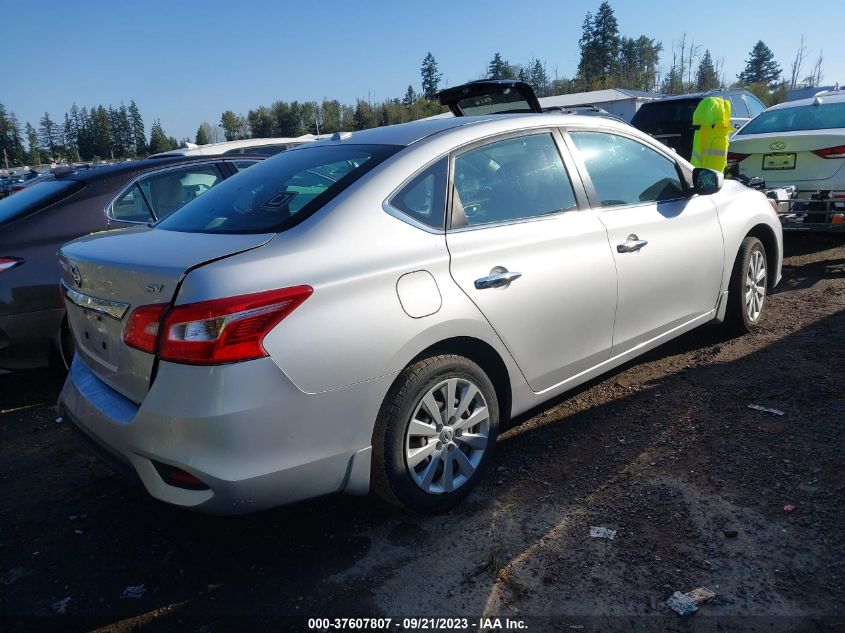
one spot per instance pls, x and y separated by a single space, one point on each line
706 181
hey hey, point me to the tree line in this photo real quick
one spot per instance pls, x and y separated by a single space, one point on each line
84 134
608 59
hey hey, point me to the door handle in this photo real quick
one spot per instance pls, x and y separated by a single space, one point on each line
498 280
631 245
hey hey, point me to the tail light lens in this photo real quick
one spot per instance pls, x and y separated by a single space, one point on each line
737 157
213 332
831 152
142 329
7 263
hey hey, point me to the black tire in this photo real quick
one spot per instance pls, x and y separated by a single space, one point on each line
392 479
737 318
67 347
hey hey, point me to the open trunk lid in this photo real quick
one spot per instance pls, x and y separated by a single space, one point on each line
490 96
105 277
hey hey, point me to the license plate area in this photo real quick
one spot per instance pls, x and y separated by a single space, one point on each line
779 161
95 334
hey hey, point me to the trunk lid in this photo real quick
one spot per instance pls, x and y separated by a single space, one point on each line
807 167
490 96
106 276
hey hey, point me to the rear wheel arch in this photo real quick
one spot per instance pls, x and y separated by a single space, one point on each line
766 235
483 355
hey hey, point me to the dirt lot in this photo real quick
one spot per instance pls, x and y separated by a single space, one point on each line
665 451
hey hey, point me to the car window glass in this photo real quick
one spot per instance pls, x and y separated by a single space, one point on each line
804 117
512 179
240 165
738 108
280 191
131 207
424 198
172 189
624 171
754 105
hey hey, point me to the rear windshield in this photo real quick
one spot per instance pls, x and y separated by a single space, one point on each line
807 117
279 192
36 197
500 103
658 113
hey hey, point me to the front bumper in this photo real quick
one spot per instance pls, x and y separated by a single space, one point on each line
26 340
244 429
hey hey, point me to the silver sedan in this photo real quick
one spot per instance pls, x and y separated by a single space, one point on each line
362 313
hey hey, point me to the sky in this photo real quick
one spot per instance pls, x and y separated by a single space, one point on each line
185 61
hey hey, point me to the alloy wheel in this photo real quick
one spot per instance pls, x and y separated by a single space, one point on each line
755 285
447 436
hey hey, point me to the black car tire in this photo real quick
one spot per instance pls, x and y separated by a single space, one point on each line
737 317
392 479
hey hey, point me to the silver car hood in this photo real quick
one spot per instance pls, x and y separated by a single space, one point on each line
106 275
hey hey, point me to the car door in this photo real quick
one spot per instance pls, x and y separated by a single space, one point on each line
155 195
666 243
535 261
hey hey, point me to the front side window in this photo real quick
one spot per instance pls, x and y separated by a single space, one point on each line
625 171
424 197
513 179
280 191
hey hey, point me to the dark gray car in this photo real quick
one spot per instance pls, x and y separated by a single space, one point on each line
36 221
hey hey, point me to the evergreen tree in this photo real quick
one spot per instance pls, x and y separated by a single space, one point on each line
234 126
202 137
85 134
34 156
599 45
706 78
638 62
538 78
139 137
499 68
410 97
159 142
48 134
761 67
260 122
430 77
364 117
14 141
70 138
101 132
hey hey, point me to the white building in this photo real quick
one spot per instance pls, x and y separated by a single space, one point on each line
622 102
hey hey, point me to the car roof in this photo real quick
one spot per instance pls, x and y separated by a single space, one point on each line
405 134
699 95
90 174
225 146
826 96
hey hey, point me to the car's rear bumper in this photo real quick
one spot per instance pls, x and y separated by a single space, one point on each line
26 340
244 430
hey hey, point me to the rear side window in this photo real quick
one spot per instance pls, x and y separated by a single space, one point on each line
513 179
806 117
36 197
424 198
738 108
624 171
279 192
163 192
755 106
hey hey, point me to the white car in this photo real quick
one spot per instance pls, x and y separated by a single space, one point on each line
266 146
799 143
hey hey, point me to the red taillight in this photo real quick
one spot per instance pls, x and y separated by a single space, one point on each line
736 156
7 263
831 152
142 329
211 332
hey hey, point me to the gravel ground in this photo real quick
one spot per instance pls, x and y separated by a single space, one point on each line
665 451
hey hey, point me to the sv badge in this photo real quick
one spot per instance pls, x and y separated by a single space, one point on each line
154 287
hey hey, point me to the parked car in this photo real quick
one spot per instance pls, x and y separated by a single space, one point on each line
30 179
251 146
37 221
364 312
800 143
669 120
